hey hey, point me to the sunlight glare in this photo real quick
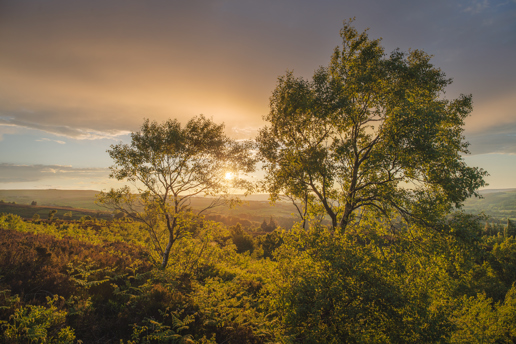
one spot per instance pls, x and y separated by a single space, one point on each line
229 175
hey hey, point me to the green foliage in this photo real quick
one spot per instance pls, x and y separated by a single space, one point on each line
233 310
39 324
86 274
503 259
366 285
370 286
156 332
243 241
330 289
269 243
12 222
51 214
478 320
365 126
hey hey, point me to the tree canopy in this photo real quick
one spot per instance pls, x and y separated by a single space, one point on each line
168 165
370 132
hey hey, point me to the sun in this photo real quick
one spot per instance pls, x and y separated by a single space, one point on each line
229 176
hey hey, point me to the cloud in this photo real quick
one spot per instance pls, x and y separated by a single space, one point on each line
496 139
62 130
244 132
13 173
477 6
49 140
95 69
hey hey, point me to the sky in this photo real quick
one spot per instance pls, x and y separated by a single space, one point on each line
79 76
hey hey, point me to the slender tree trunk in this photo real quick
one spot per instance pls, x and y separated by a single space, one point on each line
166 253
348 207
305 212
171 226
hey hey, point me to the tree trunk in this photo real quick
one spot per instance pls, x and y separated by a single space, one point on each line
348 209
166 253
171 226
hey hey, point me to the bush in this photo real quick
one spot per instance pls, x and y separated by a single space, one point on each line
39 324
243 241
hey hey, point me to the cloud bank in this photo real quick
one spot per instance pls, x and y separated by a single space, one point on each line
62 130
12 173
95 69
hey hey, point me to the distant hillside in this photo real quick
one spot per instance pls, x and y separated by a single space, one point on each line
499 204
86 199
68 213
64 198
252 213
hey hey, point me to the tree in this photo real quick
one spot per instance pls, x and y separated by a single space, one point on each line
242 240
264 226
509 229
272 224
369 132
168 165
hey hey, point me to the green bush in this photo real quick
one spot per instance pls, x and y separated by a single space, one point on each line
39 324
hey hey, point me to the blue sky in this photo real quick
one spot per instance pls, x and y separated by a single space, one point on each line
78 76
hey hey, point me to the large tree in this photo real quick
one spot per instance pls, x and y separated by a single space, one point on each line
167 165
370 132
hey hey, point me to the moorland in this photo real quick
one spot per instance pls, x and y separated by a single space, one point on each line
97 278
389 246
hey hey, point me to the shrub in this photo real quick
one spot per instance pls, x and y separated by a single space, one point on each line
39 324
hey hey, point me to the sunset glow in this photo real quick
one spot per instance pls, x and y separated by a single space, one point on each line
80 76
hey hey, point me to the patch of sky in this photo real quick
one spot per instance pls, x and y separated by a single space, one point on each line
500 167
29 147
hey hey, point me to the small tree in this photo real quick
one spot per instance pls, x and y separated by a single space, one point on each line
167 165
51 214
510 228
272 224
242 240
